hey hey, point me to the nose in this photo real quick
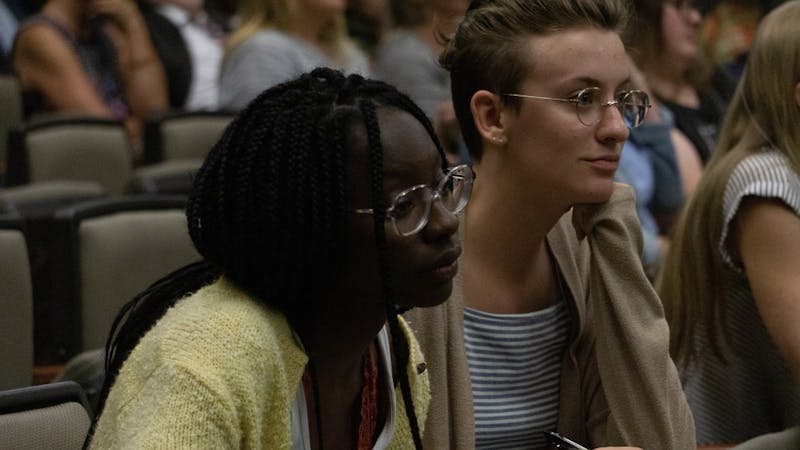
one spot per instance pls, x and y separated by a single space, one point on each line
694 16
441 223
612 127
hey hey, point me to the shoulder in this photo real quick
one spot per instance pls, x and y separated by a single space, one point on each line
767 175
401 42
41 34
219 327
764 174
269 39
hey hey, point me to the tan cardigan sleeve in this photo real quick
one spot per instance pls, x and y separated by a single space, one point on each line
647 406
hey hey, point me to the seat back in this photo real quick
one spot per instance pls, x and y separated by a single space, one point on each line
118 248
16 306
35 203
171 177
70 148
184 135
52 416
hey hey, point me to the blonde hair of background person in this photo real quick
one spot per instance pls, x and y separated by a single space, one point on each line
288 16
765 232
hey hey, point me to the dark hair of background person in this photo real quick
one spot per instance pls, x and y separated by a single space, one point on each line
491 51
268 208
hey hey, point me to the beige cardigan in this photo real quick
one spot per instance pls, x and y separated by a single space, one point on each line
618 383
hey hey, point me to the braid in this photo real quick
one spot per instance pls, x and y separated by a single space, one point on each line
399 341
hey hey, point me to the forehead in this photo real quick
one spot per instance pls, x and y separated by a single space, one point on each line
406 144
409 154
578 56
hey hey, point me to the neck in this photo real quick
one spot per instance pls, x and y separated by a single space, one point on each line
669 83
336 337
338 333
507 266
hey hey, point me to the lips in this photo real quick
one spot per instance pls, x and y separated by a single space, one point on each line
605 163
446 265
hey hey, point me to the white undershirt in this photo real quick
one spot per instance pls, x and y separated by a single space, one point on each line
301 438
205 51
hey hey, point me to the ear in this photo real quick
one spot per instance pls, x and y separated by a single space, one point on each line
487 112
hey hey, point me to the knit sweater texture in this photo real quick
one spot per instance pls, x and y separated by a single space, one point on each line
221 370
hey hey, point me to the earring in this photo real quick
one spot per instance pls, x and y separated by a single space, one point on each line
498 139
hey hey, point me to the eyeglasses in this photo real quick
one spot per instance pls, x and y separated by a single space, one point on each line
632 105
411 209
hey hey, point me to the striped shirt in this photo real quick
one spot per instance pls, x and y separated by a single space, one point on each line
753 394
515 366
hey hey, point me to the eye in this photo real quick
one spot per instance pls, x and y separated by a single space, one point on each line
586 98
402 206
622 97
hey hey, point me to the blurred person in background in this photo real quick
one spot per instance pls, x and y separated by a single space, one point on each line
90 57
731 281
189 42
277 40
409 59
666 47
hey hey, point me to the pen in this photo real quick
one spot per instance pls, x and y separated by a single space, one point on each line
559 441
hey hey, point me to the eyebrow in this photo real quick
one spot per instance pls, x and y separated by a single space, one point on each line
591 81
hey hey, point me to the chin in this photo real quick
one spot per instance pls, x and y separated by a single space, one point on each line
431 297
598 192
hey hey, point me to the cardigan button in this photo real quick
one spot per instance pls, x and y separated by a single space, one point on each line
421 367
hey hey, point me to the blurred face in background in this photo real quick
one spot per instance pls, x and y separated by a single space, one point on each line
680 24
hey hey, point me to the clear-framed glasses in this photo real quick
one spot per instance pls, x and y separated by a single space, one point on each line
411 209
632 105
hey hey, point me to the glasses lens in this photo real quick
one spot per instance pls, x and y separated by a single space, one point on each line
456 188
588 104
633 108
411 208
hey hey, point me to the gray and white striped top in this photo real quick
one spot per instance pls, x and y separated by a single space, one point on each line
753 393
515 366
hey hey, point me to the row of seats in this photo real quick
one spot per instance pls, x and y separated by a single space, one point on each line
69 147
75 148
74 268
52 416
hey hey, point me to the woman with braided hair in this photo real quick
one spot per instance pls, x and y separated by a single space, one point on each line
325 207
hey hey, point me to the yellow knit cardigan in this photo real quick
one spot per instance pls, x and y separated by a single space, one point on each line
220 370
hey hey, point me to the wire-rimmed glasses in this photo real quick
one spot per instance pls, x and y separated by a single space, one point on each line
632 105
411 209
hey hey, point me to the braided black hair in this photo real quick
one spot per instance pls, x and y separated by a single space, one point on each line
268 207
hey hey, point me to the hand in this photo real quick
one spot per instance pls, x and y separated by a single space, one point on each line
580 218
119 12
